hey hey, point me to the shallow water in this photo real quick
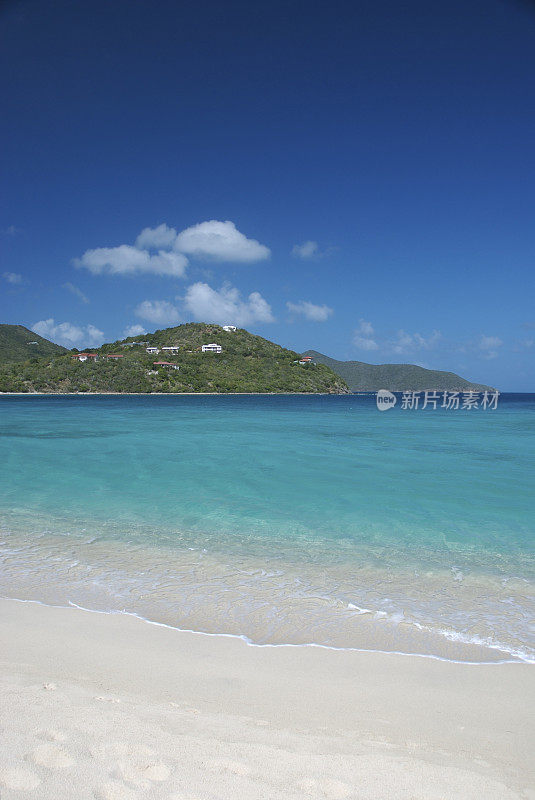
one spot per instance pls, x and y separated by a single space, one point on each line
285 519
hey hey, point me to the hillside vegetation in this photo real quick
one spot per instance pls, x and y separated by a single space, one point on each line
248 363
15 345
362 377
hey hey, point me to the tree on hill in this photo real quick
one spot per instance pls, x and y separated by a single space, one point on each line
248 363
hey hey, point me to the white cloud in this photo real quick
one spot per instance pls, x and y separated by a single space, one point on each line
226 306
67 334
11 230
133 330
306 250
407 342
95 336
362 343
76 291
160 312
365 328
212 240
363 336
311 250
489 342
310 310
12 277
220 241
161 237
489 346
128 260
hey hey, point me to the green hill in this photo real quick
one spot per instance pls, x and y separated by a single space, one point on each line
248 363
362 377
17 343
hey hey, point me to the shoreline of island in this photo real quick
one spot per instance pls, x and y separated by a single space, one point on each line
179 394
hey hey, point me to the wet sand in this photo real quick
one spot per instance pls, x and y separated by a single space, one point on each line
111 707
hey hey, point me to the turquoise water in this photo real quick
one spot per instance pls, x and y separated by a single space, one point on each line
289 519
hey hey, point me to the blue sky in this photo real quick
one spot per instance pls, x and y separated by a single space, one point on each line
353 177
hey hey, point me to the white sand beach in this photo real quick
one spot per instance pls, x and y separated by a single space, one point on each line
114 708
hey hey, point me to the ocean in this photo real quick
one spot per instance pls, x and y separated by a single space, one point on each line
286 520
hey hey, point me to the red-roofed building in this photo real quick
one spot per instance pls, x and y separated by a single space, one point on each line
166 364
113 355
85 356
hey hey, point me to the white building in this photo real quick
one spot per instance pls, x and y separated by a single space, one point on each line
85 357
212 348
229 328
152 351
172 350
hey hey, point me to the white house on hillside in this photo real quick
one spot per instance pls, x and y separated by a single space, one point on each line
172 349
229 328
85 357
152 351
212 348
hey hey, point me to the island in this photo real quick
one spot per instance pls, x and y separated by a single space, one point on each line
190 358
198 357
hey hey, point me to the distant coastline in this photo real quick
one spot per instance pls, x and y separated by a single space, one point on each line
177 394
206 359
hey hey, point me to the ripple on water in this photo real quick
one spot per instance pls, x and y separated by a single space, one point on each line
448 614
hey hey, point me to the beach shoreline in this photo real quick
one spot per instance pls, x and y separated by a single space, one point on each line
109 706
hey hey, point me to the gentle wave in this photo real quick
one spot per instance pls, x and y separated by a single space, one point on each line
304 605
250 643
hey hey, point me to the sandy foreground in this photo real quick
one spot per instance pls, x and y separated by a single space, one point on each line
113 708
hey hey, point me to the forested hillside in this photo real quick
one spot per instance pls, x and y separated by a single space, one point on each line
362 377
17 343
247 363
